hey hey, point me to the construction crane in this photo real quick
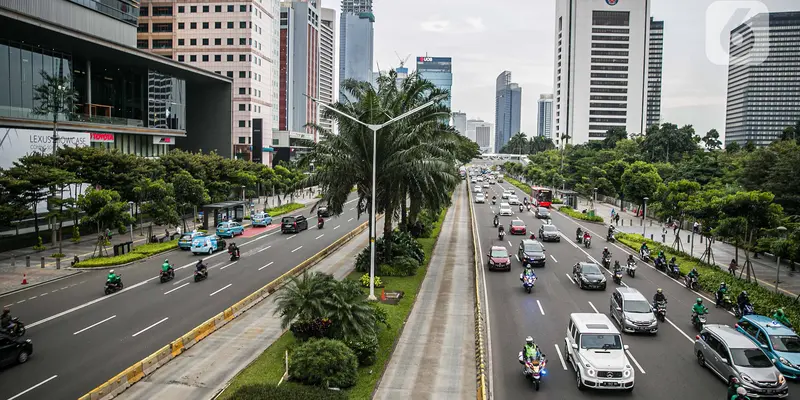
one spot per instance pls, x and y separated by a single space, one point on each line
402 60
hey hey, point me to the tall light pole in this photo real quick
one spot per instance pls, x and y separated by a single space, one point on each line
644 216
782 234
374 128
594 200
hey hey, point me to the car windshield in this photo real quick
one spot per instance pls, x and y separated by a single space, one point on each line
549 228
288 220
543 210
222 226
499 253
785 343
533 247
604 341
590 269
637 306
750 358
517 223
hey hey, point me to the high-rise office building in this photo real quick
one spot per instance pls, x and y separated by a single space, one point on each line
239 41
507 110
439 71
460 122
299 66
655 65
327 63
763 78
480 132
544 123
356 42
600 68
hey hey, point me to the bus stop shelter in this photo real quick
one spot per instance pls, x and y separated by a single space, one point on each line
234 210
570 198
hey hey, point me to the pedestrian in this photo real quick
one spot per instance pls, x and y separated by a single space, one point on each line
616 219
733 266
612 213
675 228
664 234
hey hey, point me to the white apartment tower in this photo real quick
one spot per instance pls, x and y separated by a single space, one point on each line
460 122
544 121
327 70
482 133
601 63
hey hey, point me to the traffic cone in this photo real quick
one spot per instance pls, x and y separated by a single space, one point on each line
383 294
24 279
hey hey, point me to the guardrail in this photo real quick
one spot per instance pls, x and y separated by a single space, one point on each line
480 352
151 363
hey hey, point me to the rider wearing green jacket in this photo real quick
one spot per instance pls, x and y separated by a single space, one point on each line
698 307
165 267
113 278
780 316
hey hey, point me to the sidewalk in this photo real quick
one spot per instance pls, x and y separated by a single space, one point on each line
764 267
205 369
435 355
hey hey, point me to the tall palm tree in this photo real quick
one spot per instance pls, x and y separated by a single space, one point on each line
305 297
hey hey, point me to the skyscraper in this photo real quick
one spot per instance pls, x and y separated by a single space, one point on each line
507 109
240 41
480 132
654 68
356 42
327 70
763 78
460 122
606 89
439 71
299 66
544 123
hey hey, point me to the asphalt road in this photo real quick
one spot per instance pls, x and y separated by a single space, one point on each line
665 367
83 338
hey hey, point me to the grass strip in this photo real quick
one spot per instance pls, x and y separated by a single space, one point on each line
581 216
138 253
283 209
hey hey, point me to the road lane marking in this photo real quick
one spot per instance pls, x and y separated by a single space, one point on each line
319 236
20 302
297 249
474 224
509 243
95 324
145 329
680 330
554 259
31 298
628 352
352 208
517 257
225 287
263 249
561 357
351 201
33 387
593 308
349 220
540 307
337 227
270 263
227 265
43 294
65 287
291 236
570 278
54 291
172 290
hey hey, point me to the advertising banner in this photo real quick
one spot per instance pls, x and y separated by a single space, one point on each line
101 137
258 141
16 143
163 140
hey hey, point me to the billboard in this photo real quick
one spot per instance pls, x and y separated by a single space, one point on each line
16 143
434 64
258 141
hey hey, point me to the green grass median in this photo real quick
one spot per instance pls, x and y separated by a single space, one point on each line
579 215
283 209
137 253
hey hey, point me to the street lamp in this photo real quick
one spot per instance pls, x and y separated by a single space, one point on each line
782 233
374 128
130 210
594 200
644 215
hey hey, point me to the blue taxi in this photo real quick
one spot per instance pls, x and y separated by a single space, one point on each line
207 244
261 219
229 229
780 343
185 242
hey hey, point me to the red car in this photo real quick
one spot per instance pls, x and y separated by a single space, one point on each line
499 259
518 227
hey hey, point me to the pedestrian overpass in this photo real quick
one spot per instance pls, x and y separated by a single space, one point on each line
521 158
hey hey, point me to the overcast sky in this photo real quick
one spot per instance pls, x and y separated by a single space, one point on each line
485 37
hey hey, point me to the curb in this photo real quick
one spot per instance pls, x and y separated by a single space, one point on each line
151 363
480 352
33 285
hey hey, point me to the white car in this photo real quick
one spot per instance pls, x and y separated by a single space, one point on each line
480 179
477 189
513 200
492 182
505 194
473 180
480 198
593 346
505 209
486 185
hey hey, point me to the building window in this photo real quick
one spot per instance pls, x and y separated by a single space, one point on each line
162 43
180 58
181 25
242 107
229 74
180 42
217 25
242 123
217 57
229 57
144 11
276 142
193 25
242 57
242 24
230 25
205 8
241 138
242 41
242 74
181 9
142 28
230 8
217 42
205 58
192 42
611 18
162 27
217 8
141 44
162 11
229 41
205 25
242 90
193 58
193 9
205 41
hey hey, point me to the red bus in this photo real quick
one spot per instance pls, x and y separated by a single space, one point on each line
542 195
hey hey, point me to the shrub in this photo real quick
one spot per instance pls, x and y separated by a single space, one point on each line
405 266
39 246
388 270
109 261
557 201
365 348
317 328
57 255
581 216
403 245
283 209
324 362
286 391
76 234
150 249
365 281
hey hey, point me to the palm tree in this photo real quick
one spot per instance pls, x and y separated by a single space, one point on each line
305 297
351 313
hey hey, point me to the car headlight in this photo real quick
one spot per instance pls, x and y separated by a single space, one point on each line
590 372
603 280
747 378
781 379
785 362
627 373
585 279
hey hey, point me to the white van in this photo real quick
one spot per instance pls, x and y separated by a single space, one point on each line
594 348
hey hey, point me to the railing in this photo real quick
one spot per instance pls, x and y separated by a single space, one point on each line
26 113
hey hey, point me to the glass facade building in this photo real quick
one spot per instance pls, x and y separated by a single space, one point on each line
763 78
544 121
356 44
439 71
655 63
507 109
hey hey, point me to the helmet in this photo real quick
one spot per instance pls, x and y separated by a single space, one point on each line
166 260
111 271
744 292
6 309
660 290
605 248
529 340
699 301
741 391
723 284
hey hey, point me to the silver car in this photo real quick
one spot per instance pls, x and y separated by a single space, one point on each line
632 311
728 353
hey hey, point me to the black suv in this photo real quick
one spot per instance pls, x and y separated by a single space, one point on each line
294 224
531 253
14 350
323 212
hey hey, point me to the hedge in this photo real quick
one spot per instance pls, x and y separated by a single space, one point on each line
137 253
581 216
286 391
283 209
764 300
521 186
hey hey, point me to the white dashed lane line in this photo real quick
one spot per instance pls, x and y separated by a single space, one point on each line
270 263
223 288
319 236
297 249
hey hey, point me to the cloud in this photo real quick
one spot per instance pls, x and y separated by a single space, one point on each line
435 26
476 24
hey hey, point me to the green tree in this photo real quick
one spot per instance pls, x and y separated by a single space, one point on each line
711 140
105 209
189 193
613 136
775 169
33 178
671 201
13 206
640 180
668 142
518 144
158 202
705 209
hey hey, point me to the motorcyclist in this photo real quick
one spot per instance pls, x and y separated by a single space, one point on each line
673 265
643 248
617 267
662 256
721 292
743 300
579 233
698 308
496 220
630 259
233 249
166 267
501 230
741 394
610 231
113 278
606 253
494 199
529 352
659 296
781 317
693 274
733 386
5 319
586 236
320 221
201 267
533 236
528 271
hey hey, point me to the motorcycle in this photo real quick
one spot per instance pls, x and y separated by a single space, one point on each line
534 370
496 222
610 237
645 255
587 242
579 238
494 202
607 262
17 328
113 287
235 255
521 208
501 235
699 321
673 271
748 310
528 282
631 269
199 276
167 276
690 282
618 277
320 223
725 302
661 310
661 264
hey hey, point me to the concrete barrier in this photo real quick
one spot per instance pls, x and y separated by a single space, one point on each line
151 363
480 345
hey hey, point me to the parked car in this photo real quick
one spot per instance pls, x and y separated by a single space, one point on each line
207 244
517 227
499 259
632 311
185 242
531 252
589 276
549 233
229 229
781 344
294 224
728 353
261 219
14 350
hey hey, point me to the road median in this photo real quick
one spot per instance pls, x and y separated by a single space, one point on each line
480 345
151 363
